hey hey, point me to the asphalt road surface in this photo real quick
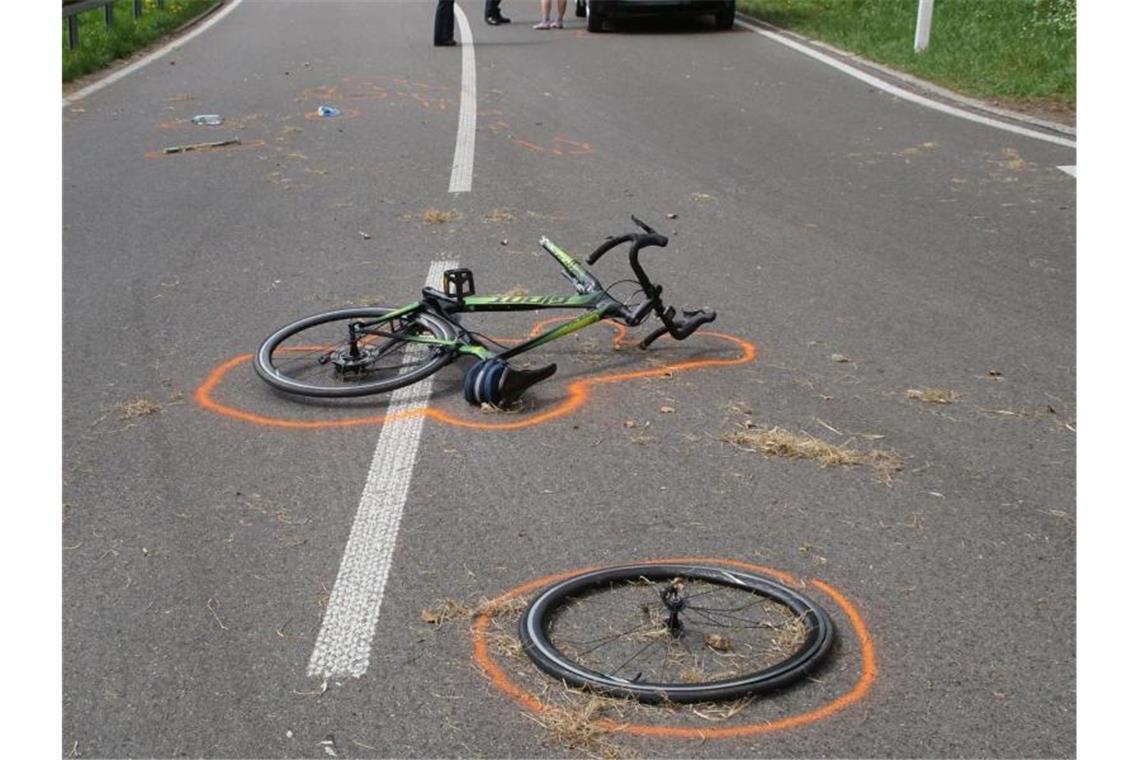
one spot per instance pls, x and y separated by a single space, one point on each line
863 245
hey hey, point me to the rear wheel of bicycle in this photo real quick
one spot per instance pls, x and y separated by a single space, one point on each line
673 632
354 352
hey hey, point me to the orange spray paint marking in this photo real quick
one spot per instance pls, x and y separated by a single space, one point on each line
577 392
499 677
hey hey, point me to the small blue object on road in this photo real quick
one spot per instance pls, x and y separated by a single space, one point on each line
328 111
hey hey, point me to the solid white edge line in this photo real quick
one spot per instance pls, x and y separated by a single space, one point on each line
905 94
1070 170
344 642
217 16
462 165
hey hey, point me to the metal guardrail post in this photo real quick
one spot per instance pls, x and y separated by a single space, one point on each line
109 13
72 32
138 8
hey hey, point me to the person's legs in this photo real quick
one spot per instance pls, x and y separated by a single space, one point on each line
561 12
492 15
544 7
445 23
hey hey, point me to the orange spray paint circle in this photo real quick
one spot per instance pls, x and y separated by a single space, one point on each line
499 677
577 393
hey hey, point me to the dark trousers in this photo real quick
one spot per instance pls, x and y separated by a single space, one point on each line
491 8
444 21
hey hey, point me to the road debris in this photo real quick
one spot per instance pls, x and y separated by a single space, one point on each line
933 395
212 606
207 120
201 146
139 407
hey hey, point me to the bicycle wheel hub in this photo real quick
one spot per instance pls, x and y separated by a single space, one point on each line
674 602
345 362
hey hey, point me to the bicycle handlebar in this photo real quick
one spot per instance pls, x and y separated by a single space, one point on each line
651 237
678 328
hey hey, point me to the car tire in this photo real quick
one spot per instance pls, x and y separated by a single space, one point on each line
727 17
580 8
594 19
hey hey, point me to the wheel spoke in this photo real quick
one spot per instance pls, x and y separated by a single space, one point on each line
637 654
602 641
712 618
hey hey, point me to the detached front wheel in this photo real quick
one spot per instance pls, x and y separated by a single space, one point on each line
673 632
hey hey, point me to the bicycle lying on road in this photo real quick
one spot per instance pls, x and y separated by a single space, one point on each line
360 351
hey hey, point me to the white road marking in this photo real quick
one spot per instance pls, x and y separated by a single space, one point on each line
344 642
1070 170
464 162
905 94
217 16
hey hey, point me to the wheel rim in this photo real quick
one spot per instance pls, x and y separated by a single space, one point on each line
674 632
353 353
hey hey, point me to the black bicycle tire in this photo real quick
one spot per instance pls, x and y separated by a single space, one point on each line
533 633
263 364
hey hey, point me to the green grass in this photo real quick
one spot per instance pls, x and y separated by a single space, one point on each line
1020 51
99 45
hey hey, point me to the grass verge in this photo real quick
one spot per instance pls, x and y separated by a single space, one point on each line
100 44
1020 52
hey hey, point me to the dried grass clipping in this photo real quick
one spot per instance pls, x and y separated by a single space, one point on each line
451 609
138 408
933 395
499 215
581 726
436 216
777 442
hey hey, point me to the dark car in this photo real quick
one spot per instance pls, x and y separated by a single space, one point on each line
597 11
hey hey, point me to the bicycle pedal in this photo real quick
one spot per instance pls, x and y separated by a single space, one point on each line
459 283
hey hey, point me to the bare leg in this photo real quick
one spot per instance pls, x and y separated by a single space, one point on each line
544 6
561 12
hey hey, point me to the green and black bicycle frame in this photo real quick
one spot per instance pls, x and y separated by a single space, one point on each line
458 297
491 379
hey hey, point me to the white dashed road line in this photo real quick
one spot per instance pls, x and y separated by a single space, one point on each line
463 164
1070 170
344 642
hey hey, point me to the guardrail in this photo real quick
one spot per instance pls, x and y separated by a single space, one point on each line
72 9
